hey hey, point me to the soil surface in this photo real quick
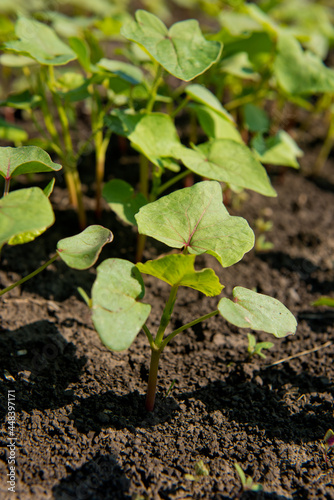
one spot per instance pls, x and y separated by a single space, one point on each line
81 429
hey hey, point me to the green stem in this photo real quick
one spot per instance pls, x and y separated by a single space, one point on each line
185 327
246 99
325 149
166 315
149 336
31 275
101 150
172 181
182 105
154 89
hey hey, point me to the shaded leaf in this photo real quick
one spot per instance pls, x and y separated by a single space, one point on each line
123 200
256 119
22 100
25 160
24 215
278 150
195 218
182 50
11 132
229 161
117 315
82 250
201 94
178 269
127 72
257 311
153 134
214 125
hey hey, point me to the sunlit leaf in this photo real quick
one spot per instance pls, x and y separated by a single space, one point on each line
178 269
82 250
39 41
259 312
118 316
25 160
182 50
24 214
301 72
195 218
228 161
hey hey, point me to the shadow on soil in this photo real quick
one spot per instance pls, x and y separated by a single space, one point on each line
260 402
100 479
39 365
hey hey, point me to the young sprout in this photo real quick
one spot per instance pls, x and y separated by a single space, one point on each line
328 443
246 481
256 347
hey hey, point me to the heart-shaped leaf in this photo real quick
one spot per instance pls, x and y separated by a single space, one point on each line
195 218
182 50
123 200
178 269
117 314
82 250
259 312
301 72
228 161
25 160
24 215
203 95
278 150
39 41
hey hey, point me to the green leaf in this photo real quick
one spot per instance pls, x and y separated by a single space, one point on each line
39 41
256 119
123 200
22 100
240 66
195 218
202 95
82 250
49 188
16 61
229 161
24 214
259 312
324 301
178 269
214 125
81 49
117 315
278 150
301 72
127 72
11 132
25 160
182 50
153 134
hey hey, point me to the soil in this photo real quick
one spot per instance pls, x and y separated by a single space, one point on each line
81 428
